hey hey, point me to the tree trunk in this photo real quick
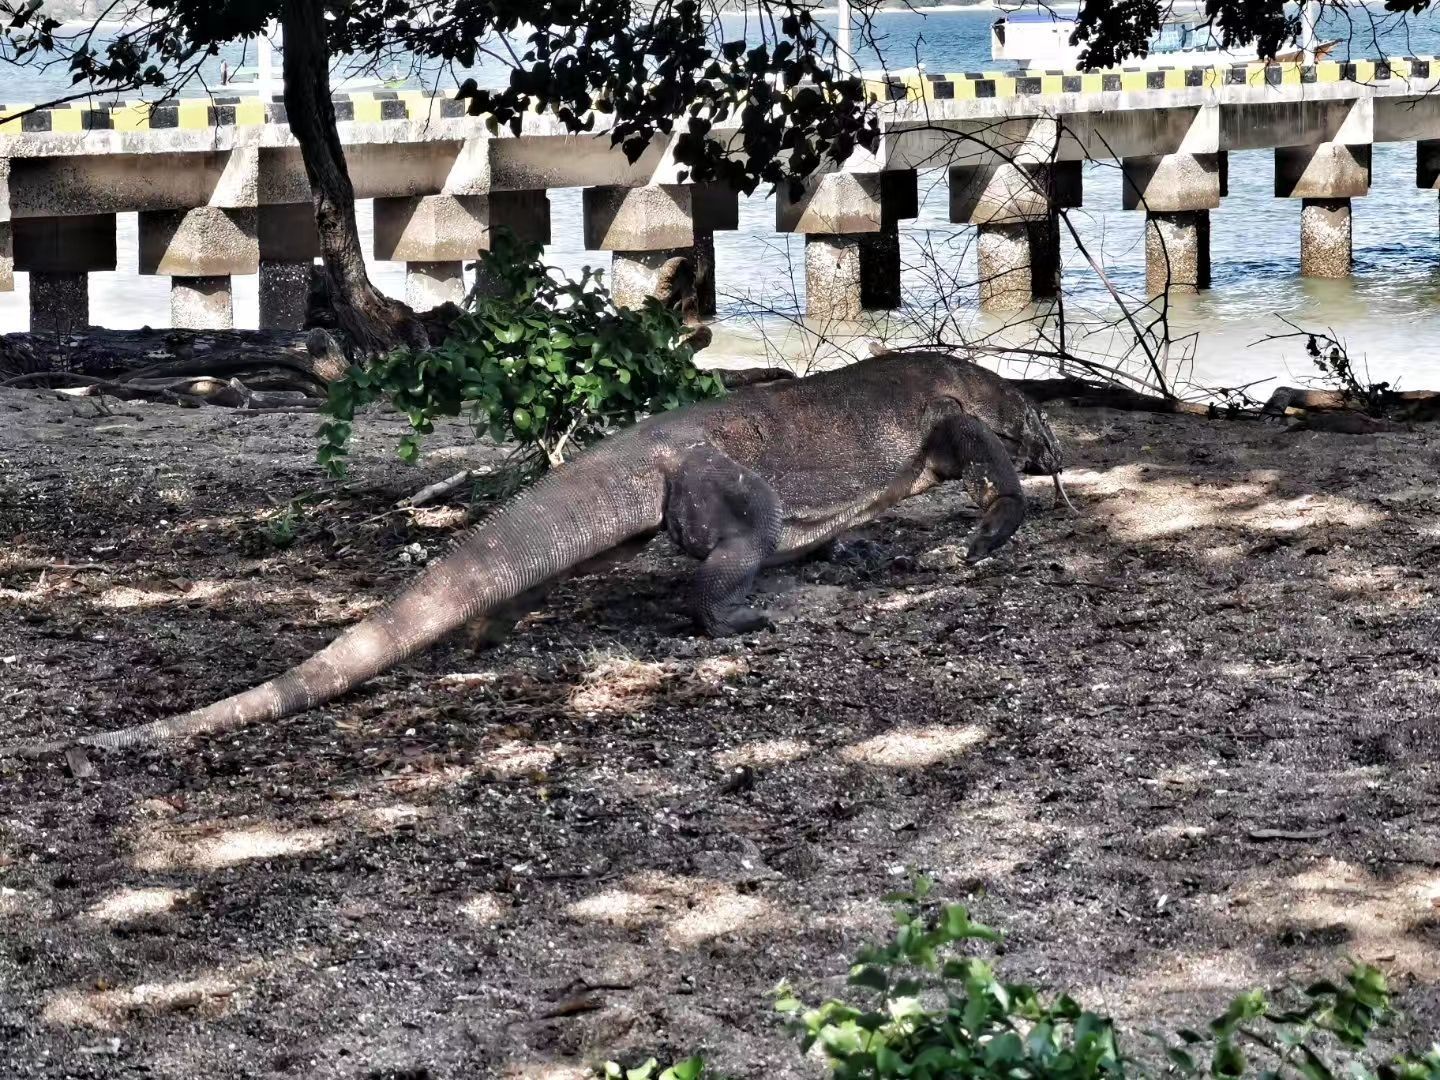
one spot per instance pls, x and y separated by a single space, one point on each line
373 322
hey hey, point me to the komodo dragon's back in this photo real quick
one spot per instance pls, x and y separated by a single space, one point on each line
765 474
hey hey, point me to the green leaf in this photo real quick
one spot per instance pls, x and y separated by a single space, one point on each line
692 1068
1312 1066
1227 1060
870 977
1181 1060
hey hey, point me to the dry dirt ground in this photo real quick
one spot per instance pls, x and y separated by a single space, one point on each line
610 837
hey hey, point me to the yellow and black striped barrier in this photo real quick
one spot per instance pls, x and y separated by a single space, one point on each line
973 85
188 114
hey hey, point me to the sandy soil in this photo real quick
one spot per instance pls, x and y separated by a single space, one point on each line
609 837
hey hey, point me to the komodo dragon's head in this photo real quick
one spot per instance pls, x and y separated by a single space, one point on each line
1015 420
1039 449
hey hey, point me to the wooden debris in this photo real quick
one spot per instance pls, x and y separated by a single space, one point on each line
441 489
1288 834
78 763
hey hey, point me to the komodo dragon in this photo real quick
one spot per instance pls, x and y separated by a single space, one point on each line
765 474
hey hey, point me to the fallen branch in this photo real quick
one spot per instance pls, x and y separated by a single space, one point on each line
1110 396
734 378
301 362
1345 423
441 489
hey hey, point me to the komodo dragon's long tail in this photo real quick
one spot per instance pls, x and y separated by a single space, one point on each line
593 504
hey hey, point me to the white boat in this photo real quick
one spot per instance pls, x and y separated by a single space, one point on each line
264 76
1038 37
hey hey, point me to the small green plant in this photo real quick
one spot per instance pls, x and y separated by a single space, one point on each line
922 1009
281 529
692 1068
546 362
931 1013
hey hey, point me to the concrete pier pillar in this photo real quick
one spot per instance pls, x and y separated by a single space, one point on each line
848 275
1044 237
832 277
1325 238
1003 254
1325 177
1427 172
645 227
1177 193
201 303
7 258
430 284
284 294
199 249
59 254
435 235
852 243
289 246
633 274
59 303
7 247
1015 208
1177 251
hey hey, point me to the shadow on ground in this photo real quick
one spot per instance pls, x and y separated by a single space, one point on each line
610 837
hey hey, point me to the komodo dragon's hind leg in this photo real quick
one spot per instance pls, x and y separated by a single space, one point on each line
962 448
729 517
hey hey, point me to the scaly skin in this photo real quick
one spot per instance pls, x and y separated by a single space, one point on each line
763 475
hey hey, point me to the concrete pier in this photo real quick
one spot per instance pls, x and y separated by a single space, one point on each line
432 235
1325 177
852 246
430 284
1005 271
59 303
1177 193
222 191
59 253
284 294
7 234
289 246
7 257
202 303
199 249
645 227
1044 238
1015 209
1325 238
848 275
436 235
1177 251
634 274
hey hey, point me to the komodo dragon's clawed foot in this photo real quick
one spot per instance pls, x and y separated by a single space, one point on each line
1001 520
737 621
963 448
727 516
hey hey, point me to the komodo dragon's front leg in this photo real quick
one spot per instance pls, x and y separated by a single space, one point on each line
730 518
962 448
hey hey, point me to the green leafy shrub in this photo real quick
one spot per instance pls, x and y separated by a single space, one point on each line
692 1068
546 362
923 1010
